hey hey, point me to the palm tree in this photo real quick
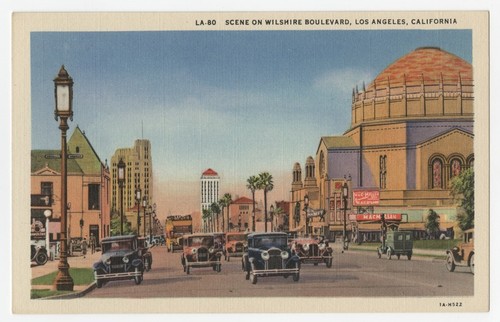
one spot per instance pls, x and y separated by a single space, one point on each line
206 217
252 182
215 210
265 183
222 204
227 201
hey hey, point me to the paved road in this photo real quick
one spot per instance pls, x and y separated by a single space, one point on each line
354 274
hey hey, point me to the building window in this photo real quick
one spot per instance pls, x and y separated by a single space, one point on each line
437 173
47 188
94 197
455 167
383 172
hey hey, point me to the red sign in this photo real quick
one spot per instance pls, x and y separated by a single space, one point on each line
365 197
378 217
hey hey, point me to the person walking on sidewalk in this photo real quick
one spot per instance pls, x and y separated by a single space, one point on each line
92 243
84 247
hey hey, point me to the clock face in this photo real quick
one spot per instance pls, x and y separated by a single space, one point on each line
63 98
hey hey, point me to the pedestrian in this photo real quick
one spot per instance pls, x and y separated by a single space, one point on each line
92 243
84 247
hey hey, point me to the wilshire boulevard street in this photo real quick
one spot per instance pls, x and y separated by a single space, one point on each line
353 274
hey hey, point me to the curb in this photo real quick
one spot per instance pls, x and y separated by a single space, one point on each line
73 295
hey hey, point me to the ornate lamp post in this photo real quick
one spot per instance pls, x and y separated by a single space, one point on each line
138 203
121 183
345 194
47 213
144 205
306 206
151 210
64 109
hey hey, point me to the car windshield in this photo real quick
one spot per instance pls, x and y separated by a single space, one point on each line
270 241
236 237
200 241
117 246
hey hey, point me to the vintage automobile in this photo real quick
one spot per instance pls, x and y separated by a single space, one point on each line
39 253
236 244
219 241
121 259
462 254
312 250
268 254
147 257
199 251
397 243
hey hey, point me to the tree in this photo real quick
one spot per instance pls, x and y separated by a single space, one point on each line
252 185
265 183
222 205
215 211
227 198
206 217
432 224
278 211
116 222
462 190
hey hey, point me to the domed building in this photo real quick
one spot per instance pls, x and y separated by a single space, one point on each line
411 132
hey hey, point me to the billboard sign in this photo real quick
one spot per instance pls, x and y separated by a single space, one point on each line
365 197
378 217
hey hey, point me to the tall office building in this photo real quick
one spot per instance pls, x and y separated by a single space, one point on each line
138 174
210 183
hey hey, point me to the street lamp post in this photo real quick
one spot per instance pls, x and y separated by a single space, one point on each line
138 203
306 206
272 217
64 102
150 222
121 183
144 205
47 213
345 194
239 222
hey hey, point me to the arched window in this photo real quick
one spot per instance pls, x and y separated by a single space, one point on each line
437 173
455 167
470 161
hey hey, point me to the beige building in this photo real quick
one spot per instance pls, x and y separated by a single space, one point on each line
138 174
411 132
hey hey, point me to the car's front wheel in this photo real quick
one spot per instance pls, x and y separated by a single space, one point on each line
450 263
296 277
253 279
389 253
41 258
471 264
329 262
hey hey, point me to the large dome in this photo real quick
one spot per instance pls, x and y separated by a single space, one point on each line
430 63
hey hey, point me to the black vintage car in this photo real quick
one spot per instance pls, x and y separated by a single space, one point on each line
268 254
312 250
39 253
121 259
200 250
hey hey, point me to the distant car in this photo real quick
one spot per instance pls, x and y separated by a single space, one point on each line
39 254
462 254
313 250
236 244
147 257
200 250
121 259
397 243
268 254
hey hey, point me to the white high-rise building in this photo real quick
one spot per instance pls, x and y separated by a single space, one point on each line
210 183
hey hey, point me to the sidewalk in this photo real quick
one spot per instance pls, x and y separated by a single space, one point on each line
73 261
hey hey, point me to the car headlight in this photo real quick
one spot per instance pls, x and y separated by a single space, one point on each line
322 246
284 254
305 247
194 250
265 255
125 259
211 250
107 261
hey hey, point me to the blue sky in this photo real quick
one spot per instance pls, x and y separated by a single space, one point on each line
240 102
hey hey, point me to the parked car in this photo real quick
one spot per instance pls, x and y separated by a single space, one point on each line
397 243
219 241
462 254
312 250
121 259
147 257
268 254
199 250
39 253
236 244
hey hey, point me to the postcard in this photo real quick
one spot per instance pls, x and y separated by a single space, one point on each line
237 162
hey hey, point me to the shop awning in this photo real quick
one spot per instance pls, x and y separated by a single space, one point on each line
412 226
369 227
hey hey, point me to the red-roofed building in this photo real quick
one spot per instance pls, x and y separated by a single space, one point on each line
209 188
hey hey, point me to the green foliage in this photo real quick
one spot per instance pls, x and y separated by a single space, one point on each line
462 190
38 294
116 222
432 223
81 276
